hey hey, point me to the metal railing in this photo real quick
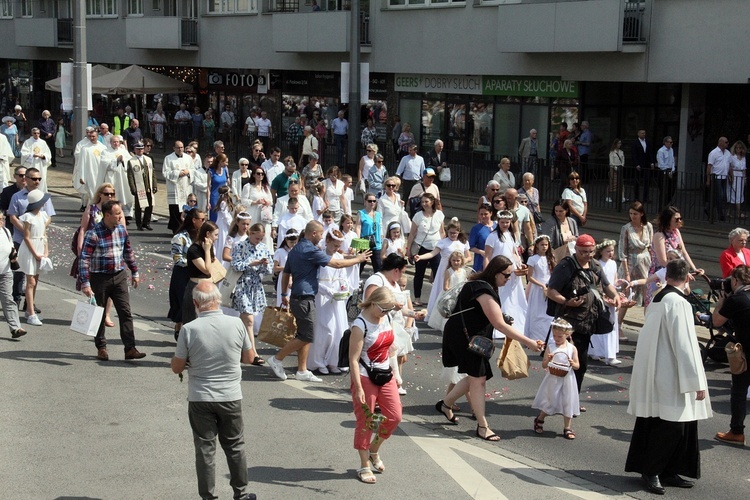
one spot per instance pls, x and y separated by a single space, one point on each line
633 28
189 32
65 31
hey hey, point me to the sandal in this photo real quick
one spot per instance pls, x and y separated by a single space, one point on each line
582 409
377 464
258 361
440 406
455 407
490 437
569 434
538 426
366 476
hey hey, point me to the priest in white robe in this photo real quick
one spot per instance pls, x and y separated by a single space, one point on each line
87 157
35 153
668 390
114 166
6 158
178 171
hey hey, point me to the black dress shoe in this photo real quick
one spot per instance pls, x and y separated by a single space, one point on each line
36 309
676 481
653 484
140 228
148 228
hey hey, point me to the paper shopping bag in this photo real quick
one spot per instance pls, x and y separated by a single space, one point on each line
513 362
87 317
227 285
278 326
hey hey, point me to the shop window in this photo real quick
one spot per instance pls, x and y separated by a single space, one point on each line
6 9
507 120
424 3
232 6
433 120
480 128
135 7
101 8
535 117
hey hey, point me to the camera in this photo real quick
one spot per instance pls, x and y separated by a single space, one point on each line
721 285
508 319
580 292
215 79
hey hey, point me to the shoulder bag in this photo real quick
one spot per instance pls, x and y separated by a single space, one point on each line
477 344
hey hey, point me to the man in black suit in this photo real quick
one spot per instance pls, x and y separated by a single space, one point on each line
643 161
437 159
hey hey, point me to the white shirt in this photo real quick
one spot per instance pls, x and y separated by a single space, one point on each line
411 168
250 123
227 119
264 127
719 161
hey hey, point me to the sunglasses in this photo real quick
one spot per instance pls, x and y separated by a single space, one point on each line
494 189
497 201
259 173
507 276
390 185
35 179
378 161
372 201
110 193
383 310
244 164
678 219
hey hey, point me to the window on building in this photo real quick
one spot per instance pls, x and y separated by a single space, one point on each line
6 9
26 8
102 8
232 6
135 7
424 3
155 4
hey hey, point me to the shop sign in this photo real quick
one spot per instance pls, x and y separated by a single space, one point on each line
447 84
529 86
234 81
378 86
325 83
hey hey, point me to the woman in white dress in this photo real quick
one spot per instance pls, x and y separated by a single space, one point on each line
257 198
199 177
738 166
158 120
366 162
279 260
331 312
240 179
346 226
455 241
540 269
334 193
224 218
605 347
33 248
512 295
391 207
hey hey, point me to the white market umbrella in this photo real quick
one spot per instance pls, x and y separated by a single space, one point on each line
55 85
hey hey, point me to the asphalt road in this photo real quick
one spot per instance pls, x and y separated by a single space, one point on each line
74 427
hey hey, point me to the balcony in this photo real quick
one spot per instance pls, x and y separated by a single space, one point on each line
172 33
43 32
300 31
556 27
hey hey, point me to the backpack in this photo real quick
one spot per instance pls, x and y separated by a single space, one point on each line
447 301
415 203
344 344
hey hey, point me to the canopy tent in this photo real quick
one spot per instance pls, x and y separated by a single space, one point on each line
137 80
98 70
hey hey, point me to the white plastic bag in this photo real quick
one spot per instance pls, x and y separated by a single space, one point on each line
87 317
445 174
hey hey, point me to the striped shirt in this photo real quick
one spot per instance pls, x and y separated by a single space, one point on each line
105 251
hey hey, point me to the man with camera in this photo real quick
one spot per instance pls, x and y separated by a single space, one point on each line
735 307
573 292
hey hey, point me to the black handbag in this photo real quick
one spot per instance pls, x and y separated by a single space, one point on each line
538 219
478 344
378 376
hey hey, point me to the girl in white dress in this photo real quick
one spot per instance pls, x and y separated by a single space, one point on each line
455 241
454 275
331 313
394 241
257 197
319 204
605 347
540 269
33 248
335 189
738 167
558 395
512 296
224 218
346 226
279 260
237 233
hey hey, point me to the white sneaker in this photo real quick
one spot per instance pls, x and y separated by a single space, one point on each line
307 376
154 218
34 320
613 362
608 199
323 370
277 366
345 369
402 391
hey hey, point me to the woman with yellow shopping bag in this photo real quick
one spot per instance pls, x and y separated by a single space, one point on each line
476 313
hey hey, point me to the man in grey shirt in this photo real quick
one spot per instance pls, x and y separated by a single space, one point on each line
215 345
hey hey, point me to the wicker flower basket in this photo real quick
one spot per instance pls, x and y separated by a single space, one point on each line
560 364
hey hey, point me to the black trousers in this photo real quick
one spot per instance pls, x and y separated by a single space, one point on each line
582 342
738 401
175 218
420 268
51 145
114 286
642 178
145 219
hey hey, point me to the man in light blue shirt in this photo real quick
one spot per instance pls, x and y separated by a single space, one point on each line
667 170
340 129
411 170
302 267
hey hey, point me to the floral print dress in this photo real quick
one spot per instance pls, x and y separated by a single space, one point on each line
249 296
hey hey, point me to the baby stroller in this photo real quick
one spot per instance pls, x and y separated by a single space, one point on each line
718 337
